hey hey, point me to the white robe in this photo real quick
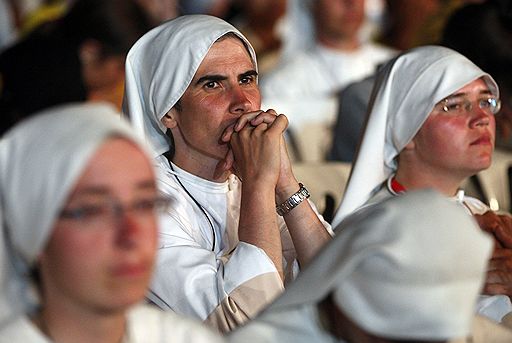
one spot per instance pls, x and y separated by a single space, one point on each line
225 286
494 307
146 324
302 325
321 72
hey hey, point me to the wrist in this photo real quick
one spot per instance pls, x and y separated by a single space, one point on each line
284 191
293 201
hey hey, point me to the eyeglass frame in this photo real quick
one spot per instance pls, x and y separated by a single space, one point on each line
467 105
111 210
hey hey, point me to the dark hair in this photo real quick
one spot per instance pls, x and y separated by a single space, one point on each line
483 33
116 24
44 69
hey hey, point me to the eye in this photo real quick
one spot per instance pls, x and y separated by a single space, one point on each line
248 79
452 106
150 205
211 84
84 212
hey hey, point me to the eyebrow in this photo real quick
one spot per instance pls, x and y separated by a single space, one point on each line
217 77
104 190
459 95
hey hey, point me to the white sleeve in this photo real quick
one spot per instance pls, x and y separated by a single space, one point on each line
190 279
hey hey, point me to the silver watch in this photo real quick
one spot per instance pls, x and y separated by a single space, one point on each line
292 202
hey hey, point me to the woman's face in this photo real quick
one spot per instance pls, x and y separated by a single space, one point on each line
458 141
97 258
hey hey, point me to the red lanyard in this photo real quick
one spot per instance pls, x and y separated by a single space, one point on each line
397 187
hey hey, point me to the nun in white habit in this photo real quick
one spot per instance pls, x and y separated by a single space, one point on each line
183 78
78 200
378 281
430 125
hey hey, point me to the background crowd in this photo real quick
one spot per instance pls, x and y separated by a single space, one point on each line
150 157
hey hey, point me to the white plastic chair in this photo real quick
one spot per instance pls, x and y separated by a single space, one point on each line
326 183
495 181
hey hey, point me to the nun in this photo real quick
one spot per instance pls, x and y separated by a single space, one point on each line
224 253
407 269
431 125
79 203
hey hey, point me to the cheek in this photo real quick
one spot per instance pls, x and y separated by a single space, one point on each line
74 257
445 133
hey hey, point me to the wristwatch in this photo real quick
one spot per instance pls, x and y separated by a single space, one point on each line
292 202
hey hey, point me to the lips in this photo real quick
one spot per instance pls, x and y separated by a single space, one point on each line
484 139
130 270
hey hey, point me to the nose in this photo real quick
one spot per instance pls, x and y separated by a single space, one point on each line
479 117
128 229
240 102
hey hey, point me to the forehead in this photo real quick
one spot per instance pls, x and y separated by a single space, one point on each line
227 51
118 163
476 87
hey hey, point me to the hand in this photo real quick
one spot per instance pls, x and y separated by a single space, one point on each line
499 274
256 149
250 118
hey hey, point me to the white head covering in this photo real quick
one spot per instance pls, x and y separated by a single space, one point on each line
40 162
405 92
409 267
160 67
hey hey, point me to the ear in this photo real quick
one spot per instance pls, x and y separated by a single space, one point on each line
89 52
169 119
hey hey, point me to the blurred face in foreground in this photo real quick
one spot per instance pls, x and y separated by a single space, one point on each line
100 255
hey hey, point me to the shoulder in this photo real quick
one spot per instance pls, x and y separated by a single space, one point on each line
21 330
149 324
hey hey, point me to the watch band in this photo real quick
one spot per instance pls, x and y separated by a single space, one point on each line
294 200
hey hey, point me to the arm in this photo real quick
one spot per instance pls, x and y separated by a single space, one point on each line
308 233
257 159
190 279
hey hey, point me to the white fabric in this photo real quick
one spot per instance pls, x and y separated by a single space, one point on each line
40 160
321 72
190 278
409 267
145 325
160 66
405 93
494 307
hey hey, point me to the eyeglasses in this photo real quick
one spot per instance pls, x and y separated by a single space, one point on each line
110 210
462 105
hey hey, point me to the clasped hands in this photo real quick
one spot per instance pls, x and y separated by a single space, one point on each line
499 273
258 151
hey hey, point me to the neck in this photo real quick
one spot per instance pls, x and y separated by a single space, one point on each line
68 324
210 169
340 44
420 179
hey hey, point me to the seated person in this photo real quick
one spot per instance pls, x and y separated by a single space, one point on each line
192 92
78 57
81 227
430 125
407 269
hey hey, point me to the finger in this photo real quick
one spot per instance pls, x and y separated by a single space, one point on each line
504 236
280 124
498 276
265 117
504 264
228 132
496 289
246 118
